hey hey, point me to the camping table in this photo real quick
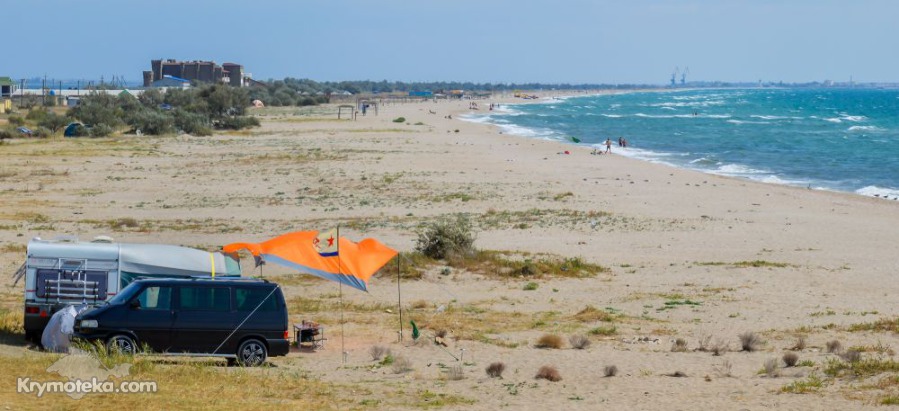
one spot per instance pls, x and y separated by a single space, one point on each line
309 332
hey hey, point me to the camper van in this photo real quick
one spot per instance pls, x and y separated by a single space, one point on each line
63 272
242 320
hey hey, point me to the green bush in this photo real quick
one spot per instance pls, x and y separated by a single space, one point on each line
399 120
100 130
447 238
237 123
192 123
5 134
54 121
42 132
36 115
152 122
16 121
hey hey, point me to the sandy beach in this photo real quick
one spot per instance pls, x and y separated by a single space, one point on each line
689 256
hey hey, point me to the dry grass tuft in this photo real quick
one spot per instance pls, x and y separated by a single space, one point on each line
549 373
791 359
419 304
724 369
610 371
402 365
495 370
771 369
679 345
851 356
549 341
593 314
718 347
834 346
455 373
378 351
579 341
800 343
750 341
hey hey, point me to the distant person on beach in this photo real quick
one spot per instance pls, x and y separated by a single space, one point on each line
608 146
620 141
623 142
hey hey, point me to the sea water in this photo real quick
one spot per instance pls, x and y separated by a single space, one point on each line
833 139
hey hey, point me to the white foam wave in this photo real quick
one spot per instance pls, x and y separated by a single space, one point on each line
737 169
611 115
853 118
875 191
864 128
747 122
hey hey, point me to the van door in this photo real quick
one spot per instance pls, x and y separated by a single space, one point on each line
203 318
150 317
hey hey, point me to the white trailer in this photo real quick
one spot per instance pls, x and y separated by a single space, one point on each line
68 272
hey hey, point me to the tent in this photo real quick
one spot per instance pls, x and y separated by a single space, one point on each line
344 261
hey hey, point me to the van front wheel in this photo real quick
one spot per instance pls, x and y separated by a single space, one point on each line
251 353
121 343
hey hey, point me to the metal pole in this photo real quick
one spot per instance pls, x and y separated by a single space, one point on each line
399 296
340 298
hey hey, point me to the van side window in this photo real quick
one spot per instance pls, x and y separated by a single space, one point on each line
249 298
205 298
155 298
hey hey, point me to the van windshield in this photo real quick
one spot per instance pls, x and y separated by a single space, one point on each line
126 294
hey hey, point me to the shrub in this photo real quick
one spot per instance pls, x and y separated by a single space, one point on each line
579 341
610 371
378 351
549 341
495 370
749 341
152 122
446 238
399 120
679 345
5 134
549 373
834 346
790 359
531 286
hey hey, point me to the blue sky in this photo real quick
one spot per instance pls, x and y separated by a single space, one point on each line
554 41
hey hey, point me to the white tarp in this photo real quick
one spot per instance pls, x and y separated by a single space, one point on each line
58 334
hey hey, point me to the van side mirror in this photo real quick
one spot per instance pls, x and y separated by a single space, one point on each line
135 305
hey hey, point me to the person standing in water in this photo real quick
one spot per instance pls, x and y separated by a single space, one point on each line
608 146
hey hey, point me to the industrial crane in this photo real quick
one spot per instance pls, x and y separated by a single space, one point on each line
683 76
674 76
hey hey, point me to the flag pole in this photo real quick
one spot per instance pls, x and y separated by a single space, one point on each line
340 298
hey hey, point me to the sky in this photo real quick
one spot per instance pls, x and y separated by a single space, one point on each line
496 41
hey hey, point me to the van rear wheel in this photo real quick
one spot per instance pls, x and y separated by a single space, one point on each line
121 343
251 353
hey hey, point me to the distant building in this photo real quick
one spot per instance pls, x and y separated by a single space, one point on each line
171 82
7 87
202 71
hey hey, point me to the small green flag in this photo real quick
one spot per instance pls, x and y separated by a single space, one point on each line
415 332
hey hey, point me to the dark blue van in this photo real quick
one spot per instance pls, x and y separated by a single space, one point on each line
244 320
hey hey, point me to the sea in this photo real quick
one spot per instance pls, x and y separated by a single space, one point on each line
827 139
